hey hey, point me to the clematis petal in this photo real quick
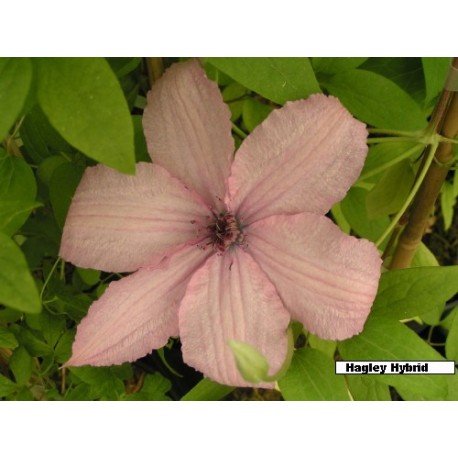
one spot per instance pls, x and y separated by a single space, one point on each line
327 279
188 130
118 223
136 314
303 158
230 298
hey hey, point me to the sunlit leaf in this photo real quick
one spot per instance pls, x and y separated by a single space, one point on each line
276 78
17 288
311 377
83 100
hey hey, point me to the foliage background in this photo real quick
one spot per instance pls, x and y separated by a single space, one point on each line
61 115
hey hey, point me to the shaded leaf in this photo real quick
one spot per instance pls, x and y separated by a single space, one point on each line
332 65
40 138
376 100
62 187
20 364
7 338
7 387
355 211
391 191
407 73
18 189
207 390
15 79
435 70
154 388
254 112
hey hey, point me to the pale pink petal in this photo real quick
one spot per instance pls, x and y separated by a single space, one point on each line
136 314
188 130
327 279
303 157
230 298
118 223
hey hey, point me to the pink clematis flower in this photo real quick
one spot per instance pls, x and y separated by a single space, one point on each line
222 249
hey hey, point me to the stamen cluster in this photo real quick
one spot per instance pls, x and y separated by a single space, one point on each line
225 231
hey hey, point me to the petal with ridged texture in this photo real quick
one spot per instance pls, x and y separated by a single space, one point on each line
327 279
188 130
119 223
135 314
230 298
303 158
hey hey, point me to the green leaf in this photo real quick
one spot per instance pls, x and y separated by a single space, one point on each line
332 65
363 388
276 78
406 293
20 364
154 388
90 276
327 347
254 112
47 168
207 390
424 257
451 344
448 201
81 392
18 189
234 91
141 151
406 72
62 187
123 65
340 219
435 70
83 100
63 349
52 327
311 377
105 384
385 339
33 342
15 79
7 338
385 155
17 288
391 191
251 364
40 138
355 211
7 387
376 100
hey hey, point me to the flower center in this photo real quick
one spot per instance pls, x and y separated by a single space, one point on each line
225 231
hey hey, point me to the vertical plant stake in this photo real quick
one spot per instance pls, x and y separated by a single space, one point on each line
444 121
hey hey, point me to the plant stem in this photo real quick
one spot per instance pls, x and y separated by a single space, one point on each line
400 133
444 121
411 196
386 165
239 131
155 68
391 139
